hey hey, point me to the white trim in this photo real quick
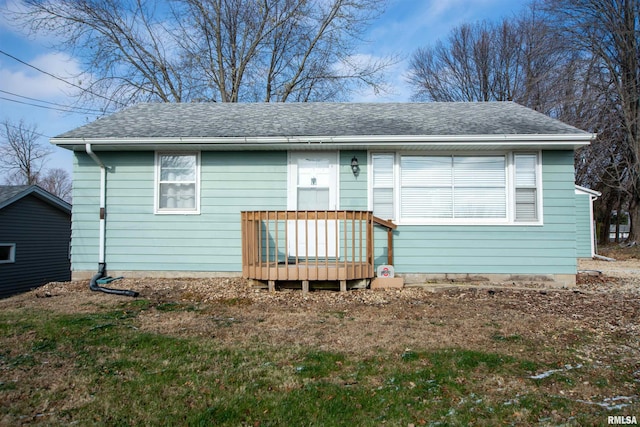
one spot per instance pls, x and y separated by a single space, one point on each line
593 196
156 190
12 253
292 175
509 220
102 224
370 181
592 226
365 140
584 190
539 189
42 194
292 204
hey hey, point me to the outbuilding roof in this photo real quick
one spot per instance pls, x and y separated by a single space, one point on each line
318 122
10 194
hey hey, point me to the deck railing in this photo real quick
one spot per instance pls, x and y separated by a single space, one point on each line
309 245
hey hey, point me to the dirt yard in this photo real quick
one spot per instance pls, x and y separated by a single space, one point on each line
605 303
592 330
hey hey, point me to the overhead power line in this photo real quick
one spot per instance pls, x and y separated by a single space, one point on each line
60 78
71 109
18 128
40 106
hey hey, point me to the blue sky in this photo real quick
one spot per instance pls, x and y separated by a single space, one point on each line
405 26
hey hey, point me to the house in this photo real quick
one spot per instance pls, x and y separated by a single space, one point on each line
585 225
35 234
283 191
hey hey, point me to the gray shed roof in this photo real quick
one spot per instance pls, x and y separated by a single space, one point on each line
12 193
326 122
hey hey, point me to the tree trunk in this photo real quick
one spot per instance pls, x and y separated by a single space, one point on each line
603 237
634 220
618 212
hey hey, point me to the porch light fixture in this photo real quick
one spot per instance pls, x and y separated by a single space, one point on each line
355 167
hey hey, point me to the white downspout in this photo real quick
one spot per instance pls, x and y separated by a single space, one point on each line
103 194
102 265
594 238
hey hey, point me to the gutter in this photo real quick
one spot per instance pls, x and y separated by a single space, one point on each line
102 265
340 141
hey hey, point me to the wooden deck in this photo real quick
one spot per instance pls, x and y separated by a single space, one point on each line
309 245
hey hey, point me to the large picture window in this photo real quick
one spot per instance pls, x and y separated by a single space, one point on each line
452 187
474 189
177 183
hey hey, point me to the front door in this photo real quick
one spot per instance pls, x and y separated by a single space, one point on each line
313 186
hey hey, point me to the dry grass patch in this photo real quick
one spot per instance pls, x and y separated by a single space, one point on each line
197 352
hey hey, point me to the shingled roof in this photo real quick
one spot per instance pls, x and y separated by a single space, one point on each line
10 194
223 120
241 125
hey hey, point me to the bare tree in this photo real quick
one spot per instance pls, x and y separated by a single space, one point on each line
609 32
57 181
213 50
518 59
125 45
22 156
477 62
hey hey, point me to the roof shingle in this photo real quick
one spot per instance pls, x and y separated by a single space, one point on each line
222 120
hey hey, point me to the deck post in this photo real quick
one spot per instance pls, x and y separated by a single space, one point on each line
272 285
305 286
343 286
389 246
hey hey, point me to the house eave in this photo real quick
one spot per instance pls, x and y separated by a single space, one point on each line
409 142
588 191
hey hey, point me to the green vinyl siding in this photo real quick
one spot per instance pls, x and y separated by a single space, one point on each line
85 213
139 240
353 189
496 249
584 239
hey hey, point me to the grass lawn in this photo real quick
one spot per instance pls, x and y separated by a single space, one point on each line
99 366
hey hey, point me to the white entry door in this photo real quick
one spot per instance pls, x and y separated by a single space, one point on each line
313 186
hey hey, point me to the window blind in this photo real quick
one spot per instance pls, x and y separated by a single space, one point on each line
383 183
526 193
453 187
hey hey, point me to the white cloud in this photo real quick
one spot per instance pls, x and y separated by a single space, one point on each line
26 81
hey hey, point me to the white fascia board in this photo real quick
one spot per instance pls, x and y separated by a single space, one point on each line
336 142
584 190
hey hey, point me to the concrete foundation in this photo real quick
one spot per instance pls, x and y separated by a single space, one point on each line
86 275
550 280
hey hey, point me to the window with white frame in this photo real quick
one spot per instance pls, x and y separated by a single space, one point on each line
494 188
177 182
452 187
526 193
382 185
7 253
